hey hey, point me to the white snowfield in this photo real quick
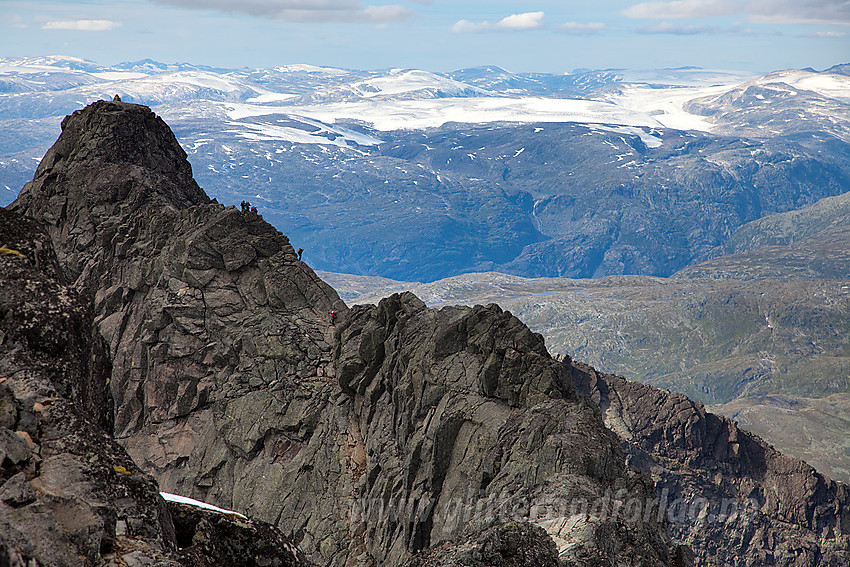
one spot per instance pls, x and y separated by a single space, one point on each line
172 85
666 106
253 101
406 81
119 75
41 64
833 86
198 504
431 113
654 99
302 68
318 134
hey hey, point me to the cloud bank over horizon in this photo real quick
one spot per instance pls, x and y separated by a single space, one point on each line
758 11
81 25
437 35
344 11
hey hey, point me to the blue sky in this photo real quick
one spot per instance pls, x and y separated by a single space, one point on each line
437 35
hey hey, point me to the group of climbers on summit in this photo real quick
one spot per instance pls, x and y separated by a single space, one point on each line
246 208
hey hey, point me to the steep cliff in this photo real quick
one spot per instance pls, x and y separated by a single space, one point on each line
730 496
374 437
70 495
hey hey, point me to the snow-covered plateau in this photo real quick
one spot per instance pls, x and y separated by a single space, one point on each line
416 175
396 98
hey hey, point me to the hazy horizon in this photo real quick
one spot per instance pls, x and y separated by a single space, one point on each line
545 36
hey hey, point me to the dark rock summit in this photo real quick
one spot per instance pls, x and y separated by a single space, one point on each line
392 434
113 161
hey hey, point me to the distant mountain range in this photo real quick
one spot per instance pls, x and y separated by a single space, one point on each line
418 176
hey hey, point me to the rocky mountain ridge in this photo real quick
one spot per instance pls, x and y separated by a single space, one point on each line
793 515
376 435
232 382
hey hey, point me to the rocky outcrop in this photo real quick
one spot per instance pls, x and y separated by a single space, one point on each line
464 420
69 494
515 544
367 437
210 538
729 495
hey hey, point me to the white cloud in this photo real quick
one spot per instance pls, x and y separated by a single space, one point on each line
526 21
578 28
758 11
81 25
828 34
514 22
465 26
683 9
677 29
346 11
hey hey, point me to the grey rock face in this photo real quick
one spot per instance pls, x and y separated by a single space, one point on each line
69 493
65 485
730 496
463 410
384 432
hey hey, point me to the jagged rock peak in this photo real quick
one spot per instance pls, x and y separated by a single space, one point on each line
113 162
103 139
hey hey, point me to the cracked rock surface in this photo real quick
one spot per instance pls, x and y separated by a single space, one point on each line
69 494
